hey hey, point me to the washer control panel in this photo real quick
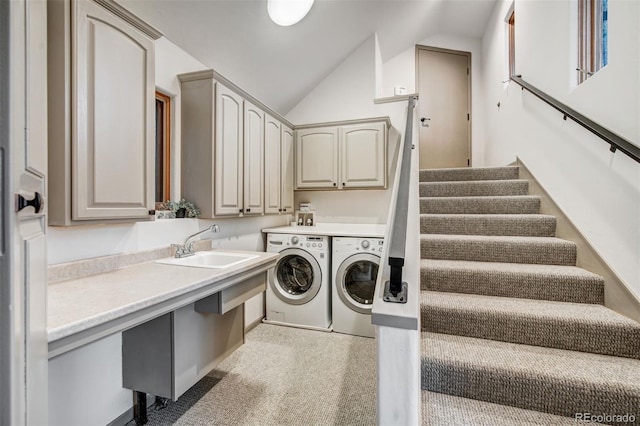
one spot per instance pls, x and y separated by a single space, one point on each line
310 242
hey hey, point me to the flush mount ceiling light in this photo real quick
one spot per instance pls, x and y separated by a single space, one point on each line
288 12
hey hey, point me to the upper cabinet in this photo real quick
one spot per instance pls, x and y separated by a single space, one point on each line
278 167
253 159
233 152
317 158
101 113
342 156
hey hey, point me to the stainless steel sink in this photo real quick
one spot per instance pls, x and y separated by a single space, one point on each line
209 259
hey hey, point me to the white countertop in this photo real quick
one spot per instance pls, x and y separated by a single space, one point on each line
334 230
76 307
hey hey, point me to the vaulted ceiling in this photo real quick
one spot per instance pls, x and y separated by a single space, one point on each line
279 65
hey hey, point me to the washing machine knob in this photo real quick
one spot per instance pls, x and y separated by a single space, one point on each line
294 240
365 244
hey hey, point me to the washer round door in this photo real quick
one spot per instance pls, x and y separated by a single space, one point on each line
296 278
356 281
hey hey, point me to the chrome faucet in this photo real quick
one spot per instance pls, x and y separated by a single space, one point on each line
186 249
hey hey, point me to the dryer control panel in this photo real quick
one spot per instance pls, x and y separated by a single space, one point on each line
355 245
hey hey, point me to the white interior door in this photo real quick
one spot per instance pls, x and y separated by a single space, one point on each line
23 166
444 108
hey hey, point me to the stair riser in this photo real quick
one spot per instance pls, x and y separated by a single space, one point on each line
522 286
548 332
480 205
443 175
474 189
482 225
482 251
530 392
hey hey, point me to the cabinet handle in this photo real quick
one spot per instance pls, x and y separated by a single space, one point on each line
279 210
248 210
342 183
284 210
241 210
334 184
37 202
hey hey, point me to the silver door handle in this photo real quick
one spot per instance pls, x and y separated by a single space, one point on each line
425 121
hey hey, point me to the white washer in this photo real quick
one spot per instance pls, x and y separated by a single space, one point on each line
355 269
299 287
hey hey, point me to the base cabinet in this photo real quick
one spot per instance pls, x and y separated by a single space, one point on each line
169 354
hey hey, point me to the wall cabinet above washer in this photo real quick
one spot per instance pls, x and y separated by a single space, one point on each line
342 156
101 90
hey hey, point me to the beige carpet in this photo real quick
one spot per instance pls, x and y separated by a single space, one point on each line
284 376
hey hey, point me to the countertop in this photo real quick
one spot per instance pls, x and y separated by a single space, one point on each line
85 309
334 230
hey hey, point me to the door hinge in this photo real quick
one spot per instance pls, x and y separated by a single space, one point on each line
467 116
468 162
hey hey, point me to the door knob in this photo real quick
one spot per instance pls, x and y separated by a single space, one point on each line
425 121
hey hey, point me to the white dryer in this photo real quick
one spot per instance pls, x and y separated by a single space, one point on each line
355 269
299 288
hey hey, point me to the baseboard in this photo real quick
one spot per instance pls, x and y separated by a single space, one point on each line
617 294
123 419
253 325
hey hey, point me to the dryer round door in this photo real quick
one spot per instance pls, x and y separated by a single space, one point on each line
296 278
356 281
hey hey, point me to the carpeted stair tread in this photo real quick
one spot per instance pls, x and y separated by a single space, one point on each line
543 379
474 188
532 225
507 249
439 409
520 280
571 326
507 204
467 173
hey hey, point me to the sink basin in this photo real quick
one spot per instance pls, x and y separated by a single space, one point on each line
209 259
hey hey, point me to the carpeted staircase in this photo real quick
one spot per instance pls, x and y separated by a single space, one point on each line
513 333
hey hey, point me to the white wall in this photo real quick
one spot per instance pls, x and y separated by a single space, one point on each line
599 191
347 93
103 395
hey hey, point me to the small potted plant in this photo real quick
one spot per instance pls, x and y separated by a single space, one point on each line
181 208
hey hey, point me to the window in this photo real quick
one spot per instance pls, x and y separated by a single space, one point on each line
592 37
512 44
163 147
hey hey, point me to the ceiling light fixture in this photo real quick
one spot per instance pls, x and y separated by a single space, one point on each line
288 12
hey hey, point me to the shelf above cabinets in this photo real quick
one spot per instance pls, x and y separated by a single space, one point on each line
342 155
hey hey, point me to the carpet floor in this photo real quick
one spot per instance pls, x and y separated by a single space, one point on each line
283 376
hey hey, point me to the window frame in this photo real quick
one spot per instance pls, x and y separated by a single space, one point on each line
163 137
511 54
591 57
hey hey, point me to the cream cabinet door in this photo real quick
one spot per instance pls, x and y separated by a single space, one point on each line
363 156
253 159
228 152
286 196
113 121
272 167
317 158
